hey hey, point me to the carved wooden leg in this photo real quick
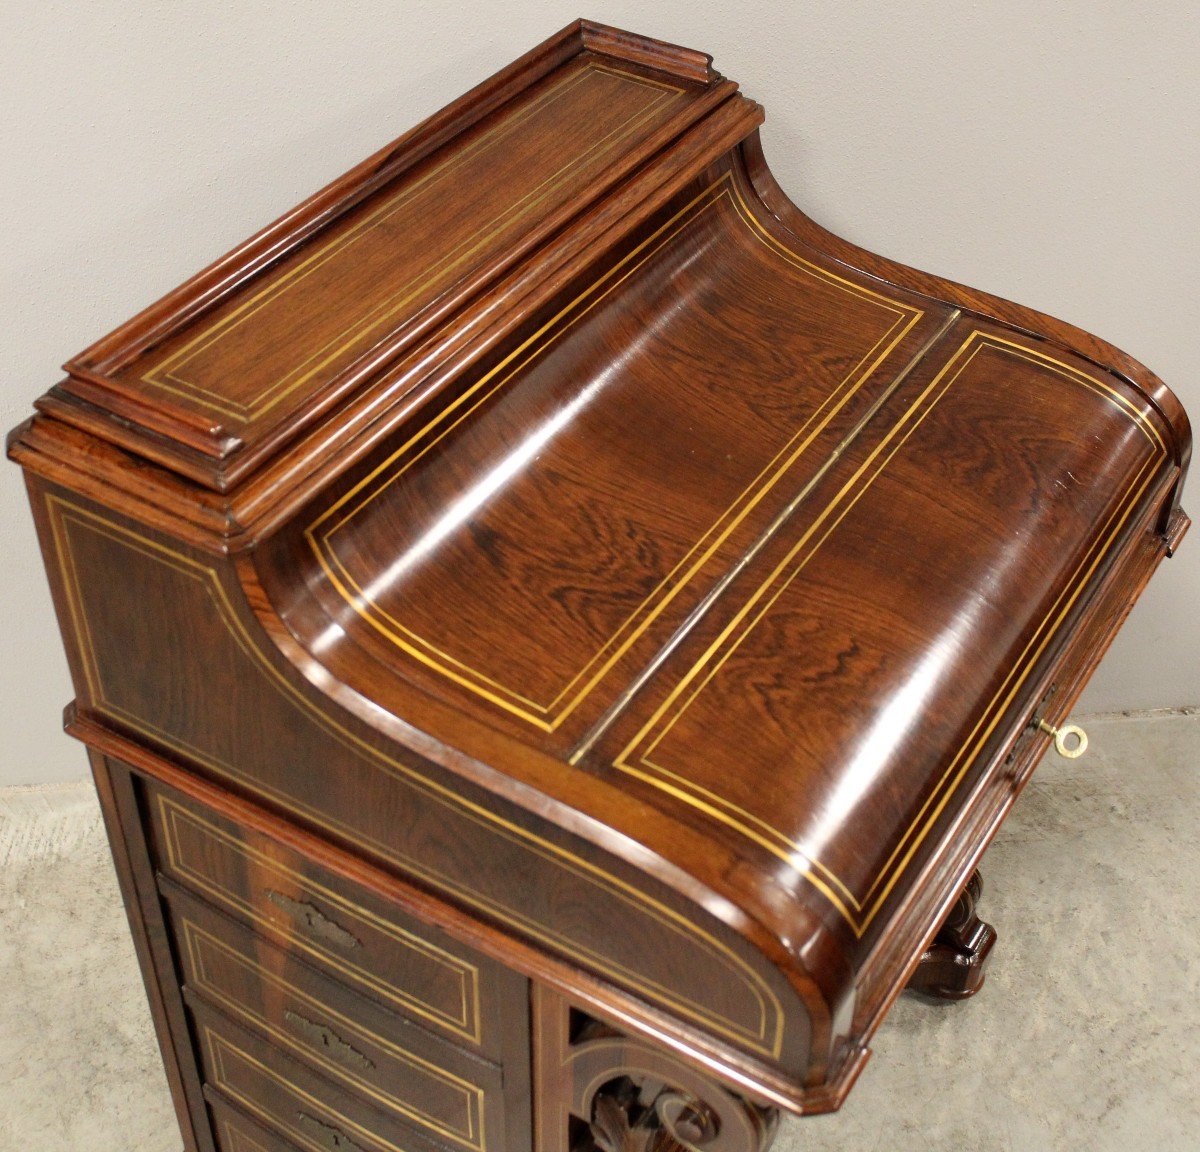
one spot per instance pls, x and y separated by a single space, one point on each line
953 964
597 1090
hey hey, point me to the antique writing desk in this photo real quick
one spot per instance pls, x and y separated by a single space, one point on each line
555 629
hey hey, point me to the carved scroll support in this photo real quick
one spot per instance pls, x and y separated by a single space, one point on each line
601 1091
952 967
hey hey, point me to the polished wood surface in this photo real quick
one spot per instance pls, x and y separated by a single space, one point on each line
556 612
556 629
396 1064
878 672
334 926
952 967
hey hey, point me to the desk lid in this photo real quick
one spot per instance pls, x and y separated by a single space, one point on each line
214 377
777 548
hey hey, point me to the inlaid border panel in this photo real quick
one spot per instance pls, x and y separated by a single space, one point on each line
168 373
466 1023
472 1134
859 910
549 715
766 1037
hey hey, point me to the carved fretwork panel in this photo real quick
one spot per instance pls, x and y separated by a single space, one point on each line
601 1091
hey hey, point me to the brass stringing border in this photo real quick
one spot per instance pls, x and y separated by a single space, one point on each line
767 1039
196 939
237 1140
549 716
218 1047
165 375
467 1024
634 758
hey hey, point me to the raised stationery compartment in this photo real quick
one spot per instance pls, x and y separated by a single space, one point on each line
212 378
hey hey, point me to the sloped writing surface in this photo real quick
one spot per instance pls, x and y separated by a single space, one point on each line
575 501
855 673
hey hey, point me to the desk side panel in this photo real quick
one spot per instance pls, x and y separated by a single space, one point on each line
168 657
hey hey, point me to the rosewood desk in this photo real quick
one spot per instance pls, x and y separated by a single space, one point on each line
555 629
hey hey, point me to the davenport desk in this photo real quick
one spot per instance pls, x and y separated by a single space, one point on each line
555 630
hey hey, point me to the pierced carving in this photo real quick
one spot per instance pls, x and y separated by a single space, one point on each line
952 967
671 1121
602 1091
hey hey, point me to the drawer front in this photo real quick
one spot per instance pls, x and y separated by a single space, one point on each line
398 1066
236 1133
286 1096
354 935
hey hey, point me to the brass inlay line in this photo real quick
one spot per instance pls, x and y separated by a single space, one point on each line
548 716
467 1025
634 77
197 939
715 593
166 374
854 909
218 1047
327 251
767 1038
236 1140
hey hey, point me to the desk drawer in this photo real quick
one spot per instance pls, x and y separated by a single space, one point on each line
236 1133
289 1098
351 934
399 1067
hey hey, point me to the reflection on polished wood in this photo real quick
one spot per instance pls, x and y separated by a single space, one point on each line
555 629
952 967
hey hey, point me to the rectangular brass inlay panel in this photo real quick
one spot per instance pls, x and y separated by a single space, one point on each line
635 758
548 715
465 1021
199 945
171 374
228 1061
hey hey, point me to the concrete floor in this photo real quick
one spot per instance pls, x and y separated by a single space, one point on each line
1085 1037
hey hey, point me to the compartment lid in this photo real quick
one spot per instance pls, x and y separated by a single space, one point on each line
217 375
823 694
579 496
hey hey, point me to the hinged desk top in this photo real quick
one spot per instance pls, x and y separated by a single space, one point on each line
555 446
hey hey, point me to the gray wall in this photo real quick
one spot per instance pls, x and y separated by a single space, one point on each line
1049 153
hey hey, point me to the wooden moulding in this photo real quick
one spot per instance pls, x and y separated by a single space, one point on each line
105 394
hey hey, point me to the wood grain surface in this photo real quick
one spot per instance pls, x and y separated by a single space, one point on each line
547 591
